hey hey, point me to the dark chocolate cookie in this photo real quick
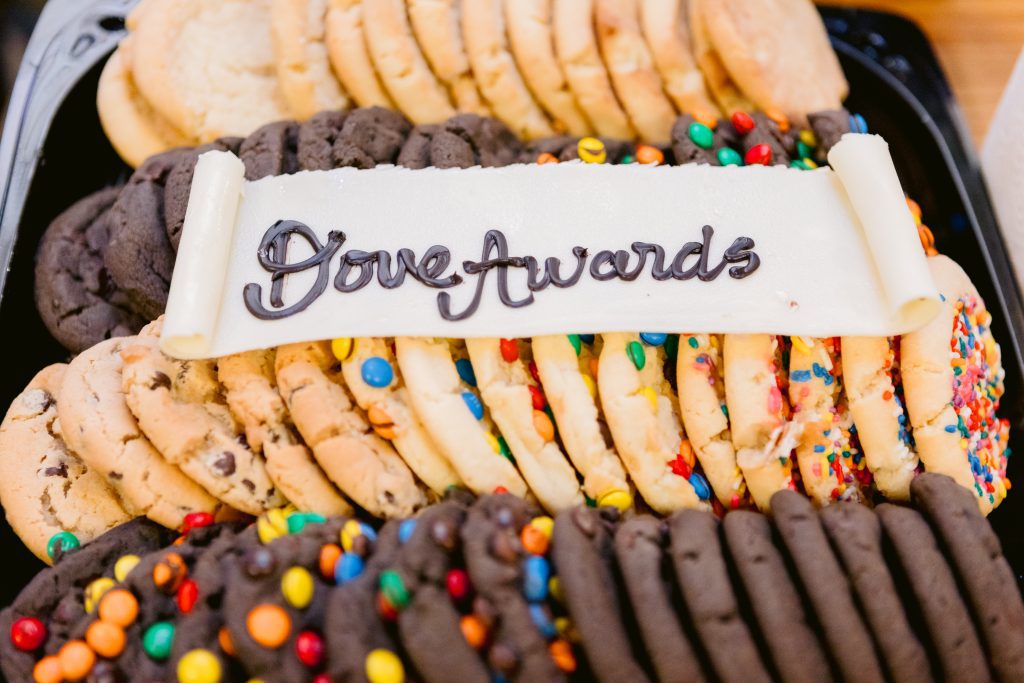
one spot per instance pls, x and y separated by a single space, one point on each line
179 185
201 641
316 140
703 579
856 536
76 297
826 587
55 598
271 150
139 257
514 582
646 572
933 594
354 633
829 127
369 137
783 623
413 592
415 152
973 549
585 560
275 600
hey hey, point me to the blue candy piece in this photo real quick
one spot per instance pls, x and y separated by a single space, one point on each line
653 338
405 530
587 339
858 124
700 486
542 621
349 566
536 573
377 372
474 405
465 370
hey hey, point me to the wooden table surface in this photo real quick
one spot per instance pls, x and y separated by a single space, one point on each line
977 42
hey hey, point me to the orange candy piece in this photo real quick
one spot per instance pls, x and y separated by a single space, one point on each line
105 638
269 625
473 630
534 540
542 423
224 639
706 117
561 652
48 670
547 158
779 118
646 154
119 607
76 660
169 573
329 555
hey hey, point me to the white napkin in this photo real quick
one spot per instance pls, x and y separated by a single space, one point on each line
1003 165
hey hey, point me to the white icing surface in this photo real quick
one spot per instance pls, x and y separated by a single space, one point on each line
839 253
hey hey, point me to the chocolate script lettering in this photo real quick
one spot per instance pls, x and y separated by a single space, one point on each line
357 269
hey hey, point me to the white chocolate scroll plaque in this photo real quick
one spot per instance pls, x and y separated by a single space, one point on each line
558 248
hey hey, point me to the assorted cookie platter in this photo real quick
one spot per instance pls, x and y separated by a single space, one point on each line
525 509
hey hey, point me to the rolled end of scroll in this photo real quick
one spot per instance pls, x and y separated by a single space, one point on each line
194 302
866 171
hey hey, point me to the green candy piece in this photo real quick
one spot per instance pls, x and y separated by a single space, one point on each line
505 450
796 163
63 541
158 639
727 156
635 351
672 347
577 345
803 150
628 159
701 135
692 341
591 502
394 590
297 521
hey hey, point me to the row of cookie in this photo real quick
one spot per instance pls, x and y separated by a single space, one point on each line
686 420
190 72
104 265
494 589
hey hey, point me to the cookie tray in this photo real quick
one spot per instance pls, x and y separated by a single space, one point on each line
53 152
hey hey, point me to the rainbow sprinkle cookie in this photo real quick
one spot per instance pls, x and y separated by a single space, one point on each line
953 380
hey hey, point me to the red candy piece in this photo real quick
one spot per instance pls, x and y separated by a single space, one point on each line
386 610
194 520
759 154
28 634
537 396
321 678
500 489
509 350
742 122
533 372
680 467
188 593
458 584
309 648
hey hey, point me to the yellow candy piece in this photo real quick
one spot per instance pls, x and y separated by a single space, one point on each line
544 524
808 138
199 666
616 498
591 386
493 440
124 565
342 348
555 588
95 590
349 533
384 666
272 524
651 396
297 587
810 163
592 151
802 344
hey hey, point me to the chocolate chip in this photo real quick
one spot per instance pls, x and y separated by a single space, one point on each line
443 533
258 563
116 476
160 380
59 471
225 464
503 658
249 485
503 547
584 520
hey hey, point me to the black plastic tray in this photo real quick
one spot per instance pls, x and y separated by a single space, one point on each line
54 152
